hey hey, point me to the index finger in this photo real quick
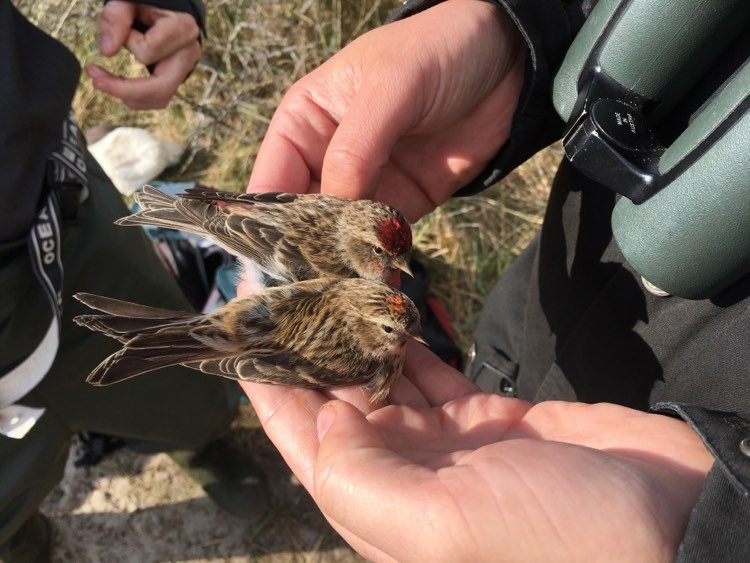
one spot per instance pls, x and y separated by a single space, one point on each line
437 381
290 158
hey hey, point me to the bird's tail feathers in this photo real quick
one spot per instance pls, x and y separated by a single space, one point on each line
131 361
152 198
152 338
157 210
124 320
121 308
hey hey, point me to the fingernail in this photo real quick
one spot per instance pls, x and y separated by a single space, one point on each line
326 416
93 71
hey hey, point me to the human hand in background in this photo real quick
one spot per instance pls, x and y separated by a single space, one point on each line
406 114
449 473
170 44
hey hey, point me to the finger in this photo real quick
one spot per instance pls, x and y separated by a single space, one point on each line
115 23
168 33
362 144
280 167
138 93
437 381
289 417
291 156
405 393
616 428
397 188
149 92
358 397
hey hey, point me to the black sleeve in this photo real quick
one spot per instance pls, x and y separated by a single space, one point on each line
548 27
719 524
195 8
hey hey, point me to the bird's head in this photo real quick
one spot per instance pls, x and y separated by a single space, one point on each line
384 317
377 239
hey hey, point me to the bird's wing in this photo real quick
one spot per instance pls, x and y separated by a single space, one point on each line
277 368
256 232
152 338
209 194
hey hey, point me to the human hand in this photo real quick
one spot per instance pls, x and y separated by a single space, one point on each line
406 114
449 473
170 44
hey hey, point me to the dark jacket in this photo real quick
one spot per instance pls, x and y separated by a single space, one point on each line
584 328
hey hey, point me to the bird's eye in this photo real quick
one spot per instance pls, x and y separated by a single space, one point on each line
377 250
387 329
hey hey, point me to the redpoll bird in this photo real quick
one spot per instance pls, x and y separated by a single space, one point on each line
317 333
291 237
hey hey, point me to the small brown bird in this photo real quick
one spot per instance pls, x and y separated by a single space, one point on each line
291 237
317 333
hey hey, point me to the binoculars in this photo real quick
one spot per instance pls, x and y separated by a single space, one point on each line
656 96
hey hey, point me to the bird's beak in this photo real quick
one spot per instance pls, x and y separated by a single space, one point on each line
420 340
402 264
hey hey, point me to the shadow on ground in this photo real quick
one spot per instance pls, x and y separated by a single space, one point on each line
132 507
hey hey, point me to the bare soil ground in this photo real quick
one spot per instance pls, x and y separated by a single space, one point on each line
136 508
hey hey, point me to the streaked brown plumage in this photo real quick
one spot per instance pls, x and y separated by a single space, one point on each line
291 237
317 333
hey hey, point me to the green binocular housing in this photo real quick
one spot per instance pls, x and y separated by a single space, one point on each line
625 89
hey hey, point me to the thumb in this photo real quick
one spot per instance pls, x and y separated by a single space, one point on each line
341 426
115 23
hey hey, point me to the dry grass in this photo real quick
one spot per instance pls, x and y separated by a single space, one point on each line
254 51
469 242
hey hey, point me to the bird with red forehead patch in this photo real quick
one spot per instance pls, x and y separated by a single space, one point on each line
317 334
289 237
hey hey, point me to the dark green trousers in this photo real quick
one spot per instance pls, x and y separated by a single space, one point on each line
175 408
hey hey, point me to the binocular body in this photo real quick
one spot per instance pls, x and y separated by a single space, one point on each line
625 89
